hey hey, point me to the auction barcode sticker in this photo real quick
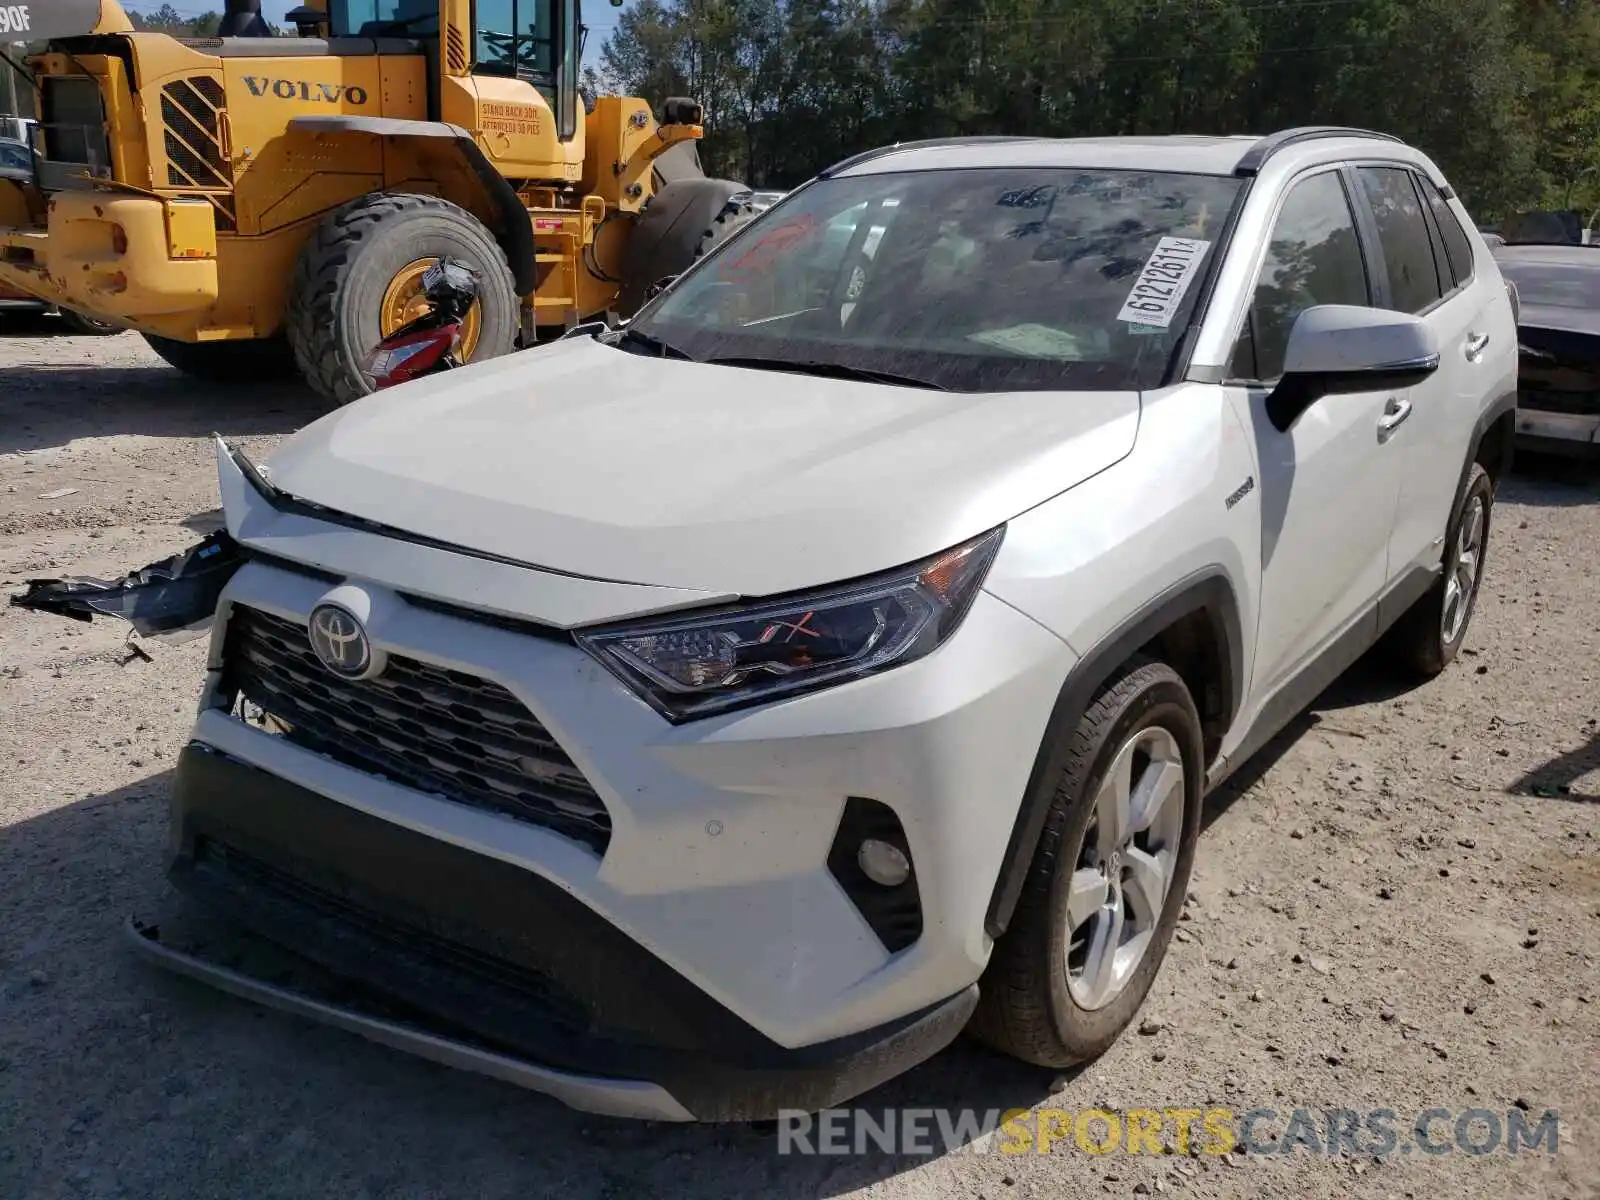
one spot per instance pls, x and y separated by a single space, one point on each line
1162 284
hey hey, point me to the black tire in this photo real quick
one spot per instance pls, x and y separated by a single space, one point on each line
83 326
1026 1008
356 252
671 232
1418 641
735 215
237 361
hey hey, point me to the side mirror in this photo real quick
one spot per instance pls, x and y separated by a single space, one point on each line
1342 348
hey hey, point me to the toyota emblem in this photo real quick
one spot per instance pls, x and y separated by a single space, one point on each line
339 642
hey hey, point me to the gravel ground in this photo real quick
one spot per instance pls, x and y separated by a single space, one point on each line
1398 907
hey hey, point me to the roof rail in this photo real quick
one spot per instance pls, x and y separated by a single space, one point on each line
1255 157
925 143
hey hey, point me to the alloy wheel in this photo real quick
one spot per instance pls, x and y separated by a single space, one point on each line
1124 866
1464 566
404 301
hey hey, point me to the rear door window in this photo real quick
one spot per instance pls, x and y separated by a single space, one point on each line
1414 280
1457 245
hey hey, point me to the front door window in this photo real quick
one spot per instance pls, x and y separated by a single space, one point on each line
1314 257
517 38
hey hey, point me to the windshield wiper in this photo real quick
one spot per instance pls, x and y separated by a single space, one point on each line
831 370
645 340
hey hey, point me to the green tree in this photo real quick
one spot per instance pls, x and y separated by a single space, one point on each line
1504 94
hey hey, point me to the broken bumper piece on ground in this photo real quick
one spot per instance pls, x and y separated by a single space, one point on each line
177 594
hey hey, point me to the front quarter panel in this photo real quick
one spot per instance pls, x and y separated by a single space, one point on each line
1184 503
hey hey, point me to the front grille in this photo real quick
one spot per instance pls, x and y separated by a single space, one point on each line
430 728
191 113
191 118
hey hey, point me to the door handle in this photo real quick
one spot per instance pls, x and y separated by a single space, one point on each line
1394 415
1476 344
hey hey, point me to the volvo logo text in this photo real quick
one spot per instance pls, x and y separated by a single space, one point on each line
339 642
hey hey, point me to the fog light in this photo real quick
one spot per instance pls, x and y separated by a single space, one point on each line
870 859
883 863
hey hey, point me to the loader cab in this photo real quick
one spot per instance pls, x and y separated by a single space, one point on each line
536 42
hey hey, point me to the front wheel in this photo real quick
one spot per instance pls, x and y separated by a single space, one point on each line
241 361
1106 884
87 326
359 279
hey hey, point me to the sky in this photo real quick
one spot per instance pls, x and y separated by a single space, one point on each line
602 18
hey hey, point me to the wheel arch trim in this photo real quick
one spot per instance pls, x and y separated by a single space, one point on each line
1502 409
1210 589
515 232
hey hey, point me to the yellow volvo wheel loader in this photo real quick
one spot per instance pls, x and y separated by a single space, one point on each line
226 195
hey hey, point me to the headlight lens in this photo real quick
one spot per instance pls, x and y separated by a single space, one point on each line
714 662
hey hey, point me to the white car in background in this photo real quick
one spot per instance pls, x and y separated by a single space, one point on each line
717 716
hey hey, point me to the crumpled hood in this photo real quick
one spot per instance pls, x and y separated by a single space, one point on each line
593 461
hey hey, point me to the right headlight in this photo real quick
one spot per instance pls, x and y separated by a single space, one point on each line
714 662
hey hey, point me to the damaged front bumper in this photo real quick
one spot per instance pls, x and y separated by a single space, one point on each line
175 596
431 934
1571 432
1558 400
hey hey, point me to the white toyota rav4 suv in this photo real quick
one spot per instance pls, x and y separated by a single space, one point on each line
718 715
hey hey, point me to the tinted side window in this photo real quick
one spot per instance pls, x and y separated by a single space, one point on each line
515 37
1314 257
1403 234
1457 245
496 22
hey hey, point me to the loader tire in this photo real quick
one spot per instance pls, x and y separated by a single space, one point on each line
735 214
84 326
351 259
236 361
680 224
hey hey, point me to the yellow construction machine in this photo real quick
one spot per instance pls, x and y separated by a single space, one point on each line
228 195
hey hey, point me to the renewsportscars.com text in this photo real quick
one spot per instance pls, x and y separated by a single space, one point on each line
1376 1132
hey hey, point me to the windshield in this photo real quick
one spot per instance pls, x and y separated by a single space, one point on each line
1554 285
970 280
352 18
